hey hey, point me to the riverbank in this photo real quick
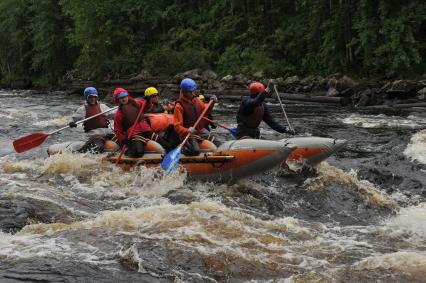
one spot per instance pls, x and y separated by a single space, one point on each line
335 89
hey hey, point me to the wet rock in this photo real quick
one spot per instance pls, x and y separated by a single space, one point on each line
364 98
332 92
422 94
18 211
181 196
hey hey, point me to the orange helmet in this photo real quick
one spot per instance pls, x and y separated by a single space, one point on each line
256 87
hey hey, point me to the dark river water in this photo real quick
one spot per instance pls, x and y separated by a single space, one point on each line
360 216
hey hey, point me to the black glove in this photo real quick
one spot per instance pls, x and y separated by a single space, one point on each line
72 125
291 132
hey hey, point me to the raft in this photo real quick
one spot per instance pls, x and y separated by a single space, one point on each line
312 150
233 160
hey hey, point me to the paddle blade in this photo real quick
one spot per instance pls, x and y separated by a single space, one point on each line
171 160
233 132
29 142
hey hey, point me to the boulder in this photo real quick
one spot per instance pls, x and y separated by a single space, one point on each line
332 92
208 75
144 74
404 88
193 74
258 75
364 98
241 78
291 80
227 78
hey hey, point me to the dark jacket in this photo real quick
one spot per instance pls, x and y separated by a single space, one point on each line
248 118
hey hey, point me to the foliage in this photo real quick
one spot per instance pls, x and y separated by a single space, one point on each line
42 40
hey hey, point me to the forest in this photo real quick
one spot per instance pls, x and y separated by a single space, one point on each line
43 40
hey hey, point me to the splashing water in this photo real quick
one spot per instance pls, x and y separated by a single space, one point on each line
416 149
328 174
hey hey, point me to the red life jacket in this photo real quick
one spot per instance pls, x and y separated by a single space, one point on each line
191 113
253 119
130 112
99 122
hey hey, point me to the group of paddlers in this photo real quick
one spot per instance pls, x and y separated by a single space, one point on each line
133 129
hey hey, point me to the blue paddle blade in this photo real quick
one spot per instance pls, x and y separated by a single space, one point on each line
233 132
171 160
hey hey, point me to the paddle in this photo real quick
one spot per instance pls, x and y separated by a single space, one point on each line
172 159
31 141
282 106
233 131
130 133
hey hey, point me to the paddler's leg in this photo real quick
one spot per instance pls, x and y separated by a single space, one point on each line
162 141
191 147
136 146
171 136
94 144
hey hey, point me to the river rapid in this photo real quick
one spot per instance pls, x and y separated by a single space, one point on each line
358 217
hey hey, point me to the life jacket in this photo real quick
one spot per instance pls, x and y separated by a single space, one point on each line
95 123
159 122
253 119
130 112
191 113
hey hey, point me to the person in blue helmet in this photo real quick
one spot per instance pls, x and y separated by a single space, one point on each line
97 129
187 110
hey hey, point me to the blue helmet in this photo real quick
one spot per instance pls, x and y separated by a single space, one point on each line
90 91
188 85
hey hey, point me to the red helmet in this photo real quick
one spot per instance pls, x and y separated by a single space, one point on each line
118 91
256 87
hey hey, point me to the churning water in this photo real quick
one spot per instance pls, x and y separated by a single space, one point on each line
359 217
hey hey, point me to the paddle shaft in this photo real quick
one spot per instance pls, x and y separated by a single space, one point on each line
219 124
130 133
282 107
196 123
29 142
84 120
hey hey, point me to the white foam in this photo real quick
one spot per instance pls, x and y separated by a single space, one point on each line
410 219
416 149
383 121
61 121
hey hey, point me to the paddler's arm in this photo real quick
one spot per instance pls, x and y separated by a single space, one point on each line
178 120
79 114
271 122
248 103
110 114
118 128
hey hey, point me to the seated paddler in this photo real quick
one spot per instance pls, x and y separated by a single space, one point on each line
135 138
187 110
97 129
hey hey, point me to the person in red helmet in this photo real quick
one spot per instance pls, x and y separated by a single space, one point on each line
253 110
124 119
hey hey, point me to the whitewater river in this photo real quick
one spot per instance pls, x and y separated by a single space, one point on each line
361 217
